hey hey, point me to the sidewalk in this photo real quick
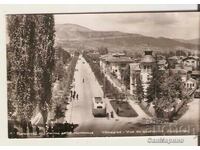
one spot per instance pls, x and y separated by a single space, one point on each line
135 106
131 101
68 112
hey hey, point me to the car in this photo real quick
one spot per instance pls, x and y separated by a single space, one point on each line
98 107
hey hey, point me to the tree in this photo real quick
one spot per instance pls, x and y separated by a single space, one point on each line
139 88
103 50
126 76
21 32
62 55
154 89
44 62
180 53
172 87
59 70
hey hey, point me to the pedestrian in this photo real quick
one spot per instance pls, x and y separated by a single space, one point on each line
74 95
37 130
83 80
111 114
77 96
30 127
107 114
24 127
117 110
71 93
15 133
49 131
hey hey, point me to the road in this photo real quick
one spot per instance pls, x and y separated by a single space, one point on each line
191 117
80 111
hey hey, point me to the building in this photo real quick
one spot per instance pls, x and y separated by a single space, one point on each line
144 70
195 74
162 64
147 63
190 84
173 61
191 61
182 72
114 64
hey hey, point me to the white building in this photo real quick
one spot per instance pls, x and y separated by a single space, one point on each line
191 84
114 64
144 70
147 63
191 61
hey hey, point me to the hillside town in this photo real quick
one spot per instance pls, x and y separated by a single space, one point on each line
186 66
62 88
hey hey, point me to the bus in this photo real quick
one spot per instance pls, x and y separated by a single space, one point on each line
98 107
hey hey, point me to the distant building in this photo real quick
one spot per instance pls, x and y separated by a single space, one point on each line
191 61
173 61
195 74
162 64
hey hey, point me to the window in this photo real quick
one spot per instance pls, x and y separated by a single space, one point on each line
148 78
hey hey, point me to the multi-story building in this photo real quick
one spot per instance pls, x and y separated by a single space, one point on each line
144 70
114 64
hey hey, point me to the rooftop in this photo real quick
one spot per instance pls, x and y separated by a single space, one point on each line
195 72
191 80
148 59
135 66
118 59
191 57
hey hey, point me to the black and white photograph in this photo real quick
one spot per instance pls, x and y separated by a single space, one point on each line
103 74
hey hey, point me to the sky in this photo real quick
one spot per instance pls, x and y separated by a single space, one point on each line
181 25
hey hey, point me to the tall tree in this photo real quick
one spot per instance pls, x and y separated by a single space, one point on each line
153 89
44 61
139 88
21 32
126 76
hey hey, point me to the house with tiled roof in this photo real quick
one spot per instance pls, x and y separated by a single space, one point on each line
191 61
114 64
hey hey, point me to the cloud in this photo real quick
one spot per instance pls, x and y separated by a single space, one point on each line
183 25
151 18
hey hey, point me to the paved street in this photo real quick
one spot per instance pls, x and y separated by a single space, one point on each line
191 117
80 111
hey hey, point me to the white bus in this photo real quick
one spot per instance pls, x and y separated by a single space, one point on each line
98 107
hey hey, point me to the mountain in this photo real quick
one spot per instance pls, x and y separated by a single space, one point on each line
73 37
191 41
